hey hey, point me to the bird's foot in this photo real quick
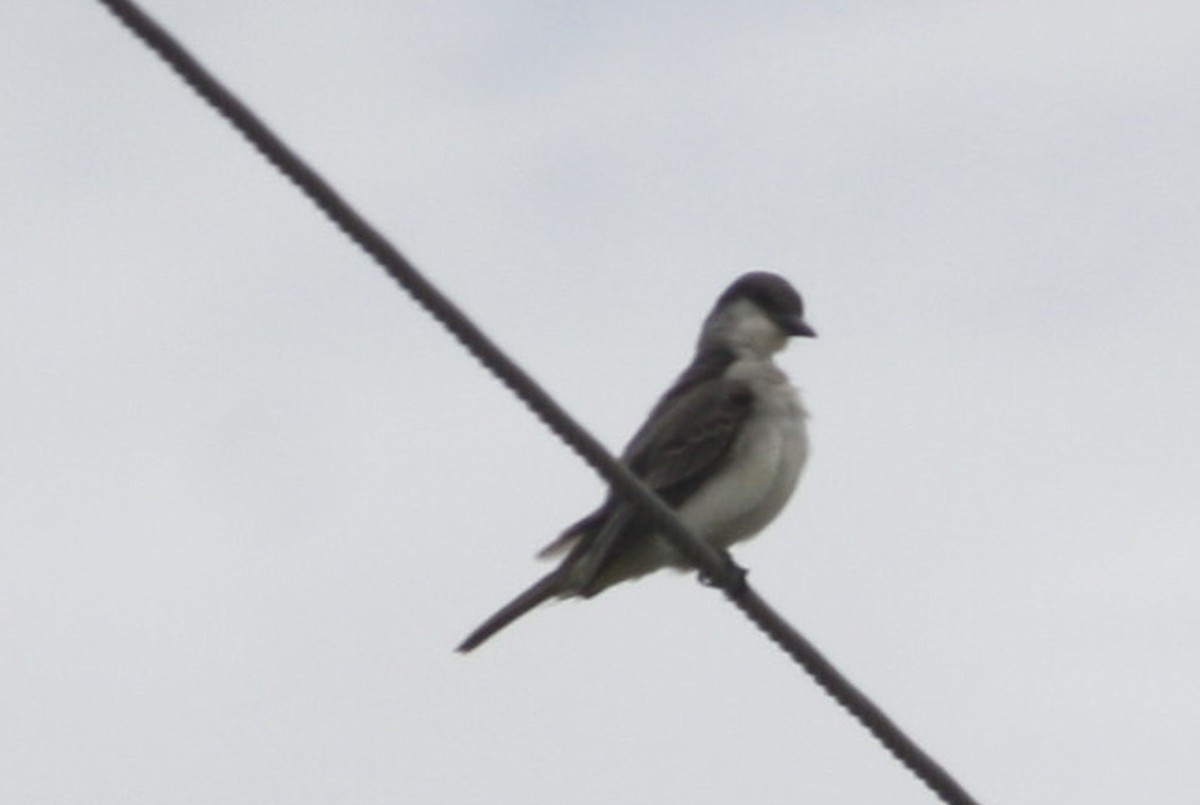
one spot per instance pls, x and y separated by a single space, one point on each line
732 577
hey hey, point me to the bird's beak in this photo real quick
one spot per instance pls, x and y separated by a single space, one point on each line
794 325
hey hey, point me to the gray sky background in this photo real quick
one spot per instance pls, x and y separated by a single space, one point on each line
251 496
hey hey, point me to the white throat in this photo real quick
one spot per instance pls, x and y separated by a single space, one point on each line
742 327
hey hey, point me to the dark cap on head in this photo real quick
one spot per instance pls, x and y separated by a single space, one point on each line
775 296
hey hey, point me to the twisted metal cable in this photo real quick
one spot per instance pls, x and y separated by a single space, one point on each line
714 566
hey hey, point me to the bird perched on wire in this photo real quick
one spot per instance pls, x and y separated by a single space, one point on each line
724 447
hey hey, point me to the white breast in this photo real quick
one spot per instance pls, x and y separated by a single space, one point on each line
764 466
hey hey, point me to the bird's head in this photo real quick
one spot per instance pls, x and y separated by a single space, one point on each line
756 315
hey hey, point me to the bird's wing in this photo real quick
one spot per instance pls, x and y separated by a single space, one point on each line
684 443
688 438
702 376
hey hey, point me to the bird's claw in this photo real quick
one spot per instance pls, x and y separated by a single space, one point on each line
732 577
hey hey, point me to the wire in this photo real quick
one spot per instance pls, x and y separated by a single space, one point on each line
715 567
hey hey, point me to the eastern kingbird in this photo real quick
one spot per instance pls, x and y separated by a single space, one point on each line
724 447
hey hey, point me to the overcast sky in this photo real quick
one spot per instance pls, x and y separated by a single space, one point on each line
251 496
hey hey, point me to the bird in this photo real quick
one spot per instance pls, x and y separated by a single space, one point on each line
724 447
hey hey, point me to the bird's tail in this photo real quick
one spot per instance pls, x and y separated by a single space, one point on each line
544 589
